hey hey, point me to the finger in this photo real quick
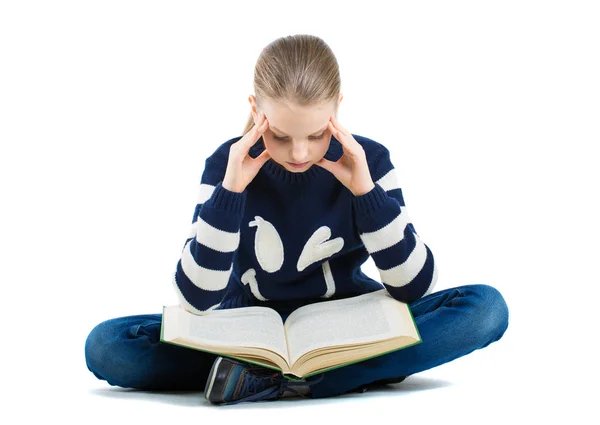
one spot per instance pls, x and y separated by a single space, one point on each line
340 136
261 124
334 130
345 138
332 123
265 124
337 125
254 134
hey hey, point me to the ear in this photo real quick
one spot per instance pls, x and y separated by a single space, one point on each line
253 110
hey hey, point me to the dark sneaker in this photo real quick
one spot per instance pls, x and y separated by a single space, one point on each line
231 381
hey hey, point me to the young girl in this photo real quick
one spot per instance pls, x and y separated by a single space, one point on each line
286 215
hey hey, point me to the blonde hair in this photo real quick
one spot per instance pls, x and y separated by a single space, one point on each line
299 69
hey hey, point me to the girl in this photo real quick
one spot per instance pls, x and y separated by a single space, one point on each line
286 215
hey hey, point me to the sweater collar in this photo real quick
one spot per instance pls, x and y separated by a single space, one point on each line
277 172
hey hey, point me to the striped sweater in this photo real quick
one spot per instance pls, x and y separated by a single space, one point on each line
292 239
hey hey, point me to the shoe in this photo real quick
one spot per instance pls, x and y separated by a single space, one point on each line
231 381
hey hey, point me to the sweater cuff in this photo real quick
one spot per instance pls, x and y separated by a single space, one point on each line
224 199
370 202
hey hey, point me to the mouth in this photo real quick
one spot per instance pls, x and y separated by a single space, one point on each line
302 165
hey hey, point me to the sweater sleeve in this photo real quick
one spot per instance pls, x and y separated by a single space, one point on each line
203 271
406 265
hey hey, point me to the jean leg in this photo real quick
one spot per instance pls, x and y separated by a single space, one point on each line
452 323
127 352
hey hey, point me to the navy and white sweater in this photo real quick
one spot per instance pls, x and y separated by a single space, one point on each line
292 239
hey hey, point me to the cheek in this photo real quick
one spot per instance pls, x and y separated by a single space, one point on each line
324 146
270 145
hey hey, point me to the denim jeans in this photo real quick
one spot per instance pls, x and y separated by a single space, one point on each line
127 351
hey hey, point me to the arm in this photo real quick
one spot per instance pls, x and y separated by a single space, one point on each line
406 265
202 274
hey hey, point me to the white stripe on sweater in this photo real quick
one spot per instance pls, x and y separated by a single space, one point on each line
207 279
388 235
376 241
433 280
405 273
210 236
185 304
216 239
389 181
204 193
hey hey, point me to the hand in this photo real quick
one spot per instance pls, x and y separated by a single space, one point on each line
241 167
351 169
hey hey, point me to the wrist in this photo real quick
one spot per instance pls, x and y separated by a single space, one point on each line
231 188
364 191
227 200
371 202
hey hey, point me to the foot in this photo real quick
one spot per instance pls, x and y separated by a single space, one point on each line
231 381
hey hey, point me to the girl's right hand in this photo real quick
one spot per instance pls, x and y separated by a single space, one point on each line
241 167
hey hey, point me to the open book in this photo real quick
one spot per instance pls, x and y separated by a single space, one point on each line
315 337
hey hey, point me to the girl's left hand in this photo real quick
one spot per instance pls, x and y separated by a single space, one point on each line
351 169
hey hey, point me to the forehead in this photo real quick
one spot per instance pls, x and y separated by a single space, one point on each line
291 119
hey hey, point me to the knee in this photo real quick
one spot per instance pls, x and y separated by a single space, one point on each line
97 349
490 314
107 352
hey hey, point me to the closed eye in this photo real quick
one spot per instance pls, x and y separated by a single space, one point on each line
312 137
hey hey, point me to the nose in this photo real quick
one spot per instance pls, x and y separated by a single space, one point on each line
299 152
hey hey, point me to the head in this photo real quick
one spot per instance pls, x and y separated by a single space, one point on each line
297 86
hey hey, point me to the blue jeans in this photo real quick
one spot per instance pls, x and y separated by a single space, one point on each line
127 351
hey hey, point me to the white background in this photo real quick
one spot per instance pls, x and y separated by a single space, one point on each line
490 109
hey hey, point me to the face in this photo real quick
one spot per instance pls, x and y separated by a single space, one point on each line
296 134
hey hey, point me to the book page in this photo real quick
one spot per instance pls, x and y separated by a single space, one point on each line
247 326
364 318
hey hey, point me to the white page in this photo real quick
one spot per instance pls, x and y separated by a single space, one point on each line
353 320
246 326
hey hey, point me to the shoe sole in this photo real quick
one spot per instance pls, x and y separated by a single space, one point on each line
212 375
